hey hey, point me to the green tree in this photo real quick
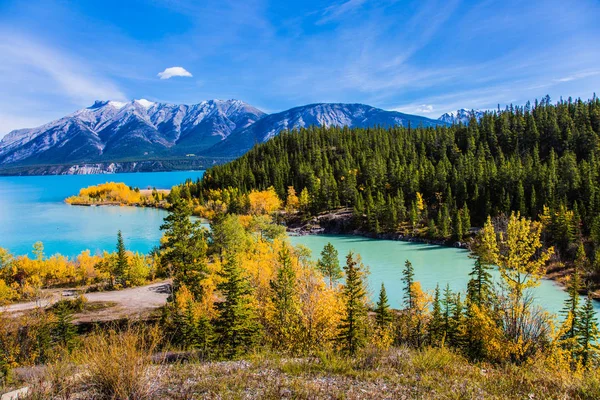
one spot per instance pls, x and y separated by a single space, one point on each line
237 324
64 331
353 324
284 296
479 287
436 323
587 333
383 315
408 277
183 249
329 264
121 263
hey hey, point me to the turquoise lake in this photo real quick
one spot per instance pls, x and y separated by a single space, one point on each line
33 208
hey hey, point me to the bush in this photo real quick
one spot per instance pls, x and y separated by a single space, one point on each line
117 364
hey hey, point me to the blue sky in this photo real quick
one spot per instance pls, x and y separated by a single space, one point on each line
424 57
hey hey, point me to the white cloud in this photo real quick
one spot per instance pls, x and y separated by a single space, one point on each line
425 108
174 71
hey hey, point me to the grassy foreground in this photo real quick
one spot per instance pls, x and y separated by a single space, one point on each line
128 365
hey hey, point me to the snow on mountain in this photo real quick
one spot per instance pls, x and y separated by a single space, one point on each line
140 128
321 114
461 116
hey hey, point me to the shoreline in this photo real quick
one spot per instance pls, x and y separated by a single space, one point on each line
314 227
340 218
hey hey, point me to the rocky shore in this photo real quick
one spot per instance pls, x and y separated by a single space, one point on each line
340 222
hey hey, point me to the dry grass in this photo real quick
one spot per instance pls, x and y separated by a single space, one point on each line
118 366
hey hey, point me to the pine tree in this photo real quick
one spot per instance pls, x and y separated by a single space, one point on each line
456 326
64 330
587 333
408 277
383 315
436 322
479 288
329 264
353 324
237 325
570 310
184 249
121 263
447 303
285 301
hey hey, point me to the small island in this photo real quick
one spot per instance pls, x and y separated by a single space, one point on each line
119 194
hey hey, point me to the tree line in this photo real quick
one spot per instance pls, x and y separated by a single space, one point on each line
541 160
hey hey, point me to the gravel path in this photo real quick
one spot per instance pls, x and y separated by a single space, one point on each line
128 302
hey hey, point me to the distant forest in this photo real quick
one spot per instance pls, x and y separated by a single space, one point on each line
540 160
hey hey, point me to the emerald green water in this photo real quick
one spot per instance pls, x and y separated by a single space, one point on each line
32 209
433 265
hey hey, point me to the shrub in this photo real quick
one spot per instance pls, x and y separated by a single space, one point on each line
117 364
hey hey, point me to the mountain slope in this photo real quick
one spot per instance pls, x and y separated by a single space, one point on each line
139 129
321 114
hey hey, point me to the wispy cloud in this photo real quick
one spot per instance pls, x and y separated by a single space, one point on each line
36 73
24 57
580 75
338 10
170 72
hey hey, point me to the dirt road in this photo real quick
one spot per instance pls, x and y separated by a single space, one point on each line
132 302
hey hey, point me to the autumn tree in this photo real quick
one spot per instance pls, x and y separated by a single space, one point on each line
264 202
292 202
521 261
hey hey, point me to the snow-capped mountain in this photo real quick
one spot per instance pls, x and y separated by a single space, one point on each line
321 114
139 129
461 116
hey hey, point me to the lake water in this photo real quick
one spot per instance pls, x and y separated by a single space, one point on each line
33 208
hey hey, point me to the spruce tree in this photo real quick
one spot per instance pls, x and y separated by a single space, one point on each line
353 324
571 309
64 330
329 264
408 277
121 263
184 249
237 325
447 304
284 296
436 322
587 333
383 315
479 287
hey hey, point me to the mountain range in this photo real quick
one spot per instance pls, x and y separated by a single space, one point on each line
462 116
141 131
